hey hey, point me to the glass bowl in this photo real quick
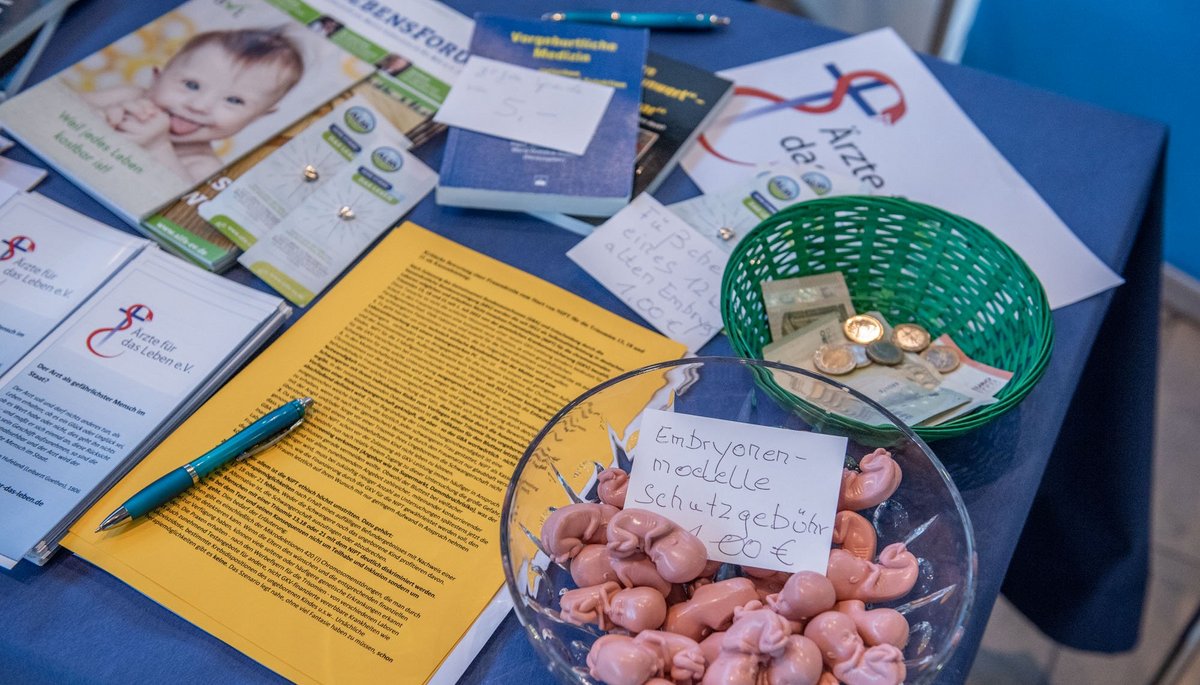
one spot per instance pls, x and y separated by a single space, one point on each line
599 429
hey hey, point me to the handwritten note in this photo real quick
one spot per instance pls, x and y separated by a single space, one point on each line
660 266
755 495
524 104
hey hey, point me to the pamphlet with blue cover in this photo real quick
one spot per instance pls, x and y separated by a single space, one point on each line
480 170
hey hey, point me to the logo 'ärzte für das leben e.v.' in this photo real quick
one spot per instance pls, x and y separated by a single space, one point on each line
137 312
15 244
848 87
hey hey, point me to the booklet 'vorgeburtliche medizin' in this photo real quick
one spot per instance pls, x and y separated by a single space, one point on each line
109 382
51 259
480 170
146 118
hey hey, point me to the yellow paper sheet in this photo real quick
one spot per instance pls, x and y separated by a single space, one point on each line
363 546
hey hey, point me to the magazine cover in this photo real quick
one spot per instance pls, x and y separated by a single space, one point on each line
145 119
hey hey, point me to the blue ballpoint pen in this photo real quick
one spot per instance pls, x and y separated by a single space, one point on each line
649 20
247 442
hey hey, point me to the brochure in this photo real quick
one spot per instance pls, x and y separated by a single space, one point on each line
145 119
109 382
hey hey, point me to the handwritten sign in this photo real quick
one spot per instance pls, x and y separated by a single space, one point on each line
523 104
661 267
755 495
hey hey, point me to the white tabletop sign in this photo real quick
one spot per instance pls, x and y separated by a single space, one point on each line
531 106
755 495
661 267
867 106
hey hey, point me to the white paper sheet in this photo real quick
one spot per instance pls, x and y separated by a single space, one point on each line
531 106
23 176
755 495
868 107
660 266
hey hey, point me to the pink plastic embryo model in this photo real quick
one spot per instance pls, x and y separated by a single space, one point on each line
622 660
855 534
710 608
678 555
607 605
877 478
805 595
567 530
613 484
591 566
760 647
893 576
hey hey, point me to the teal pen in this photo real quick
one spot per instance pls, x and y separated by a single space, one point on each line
247 442
649 20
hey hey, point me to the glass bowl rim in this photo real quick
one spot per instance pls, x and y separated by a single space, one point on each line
525 615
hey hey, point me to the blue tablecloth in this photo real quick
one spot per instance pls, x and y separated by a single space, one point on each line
1058 490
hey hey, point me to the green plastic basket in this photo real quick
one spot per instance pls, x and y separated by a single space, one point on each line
911 262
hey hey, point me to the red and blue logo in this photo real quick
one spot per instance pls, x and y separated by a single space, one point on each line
137 312
15 244
848 87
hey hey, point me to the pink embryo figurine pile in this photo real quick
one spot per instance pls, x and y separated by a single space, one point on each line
651 584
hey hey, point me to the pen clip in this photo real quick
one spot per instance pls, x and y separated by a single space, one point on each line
270 443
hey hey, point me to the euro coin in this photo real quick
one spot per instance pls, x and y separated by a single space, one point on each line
910 337
883 352
834 359
941 358
863 329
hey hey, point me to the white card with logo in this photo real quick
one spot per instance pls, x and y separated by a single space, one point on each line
51 259
726 216
661 267
106 380
528 105
754 495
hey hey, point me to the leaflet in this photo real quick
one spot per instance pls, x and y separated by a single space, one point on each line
258 200
88 401
302 256
433 35
51 259
727 215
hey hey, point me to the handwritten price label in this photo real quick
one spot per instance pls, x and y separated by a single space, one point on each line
661 267
755 495
524 104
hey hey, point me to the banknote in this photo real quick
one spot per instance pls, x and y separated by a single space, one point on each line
795 303
912 390
975 379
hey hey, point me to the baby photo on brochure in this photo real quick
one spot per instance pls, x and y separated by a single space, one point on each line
146 118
